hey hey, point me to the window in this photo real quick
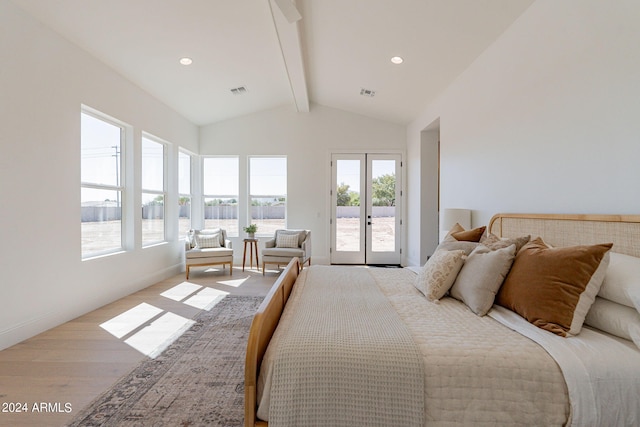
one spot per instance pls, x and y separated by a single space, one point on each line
220 176
268 193
102 186
184 193
153 191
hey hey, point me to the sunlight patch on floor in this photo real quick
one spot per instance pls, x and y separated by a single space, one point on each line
234 282
150 330
156 337
131 319
181 291
206 299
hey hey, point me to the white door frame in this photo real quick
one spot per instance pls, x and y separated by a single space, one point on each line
360 251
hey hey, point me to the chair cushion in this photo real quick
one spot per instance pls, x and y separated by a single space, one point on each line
282 252
208 253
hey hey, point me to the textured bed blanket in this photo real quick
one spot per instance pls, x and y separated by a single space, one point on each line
346 359
476 371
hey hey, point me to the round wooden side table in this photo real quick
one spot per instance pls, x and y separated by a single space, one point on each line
253 247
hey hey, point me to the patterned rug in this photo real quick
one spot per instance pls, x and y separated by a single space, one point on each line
197 381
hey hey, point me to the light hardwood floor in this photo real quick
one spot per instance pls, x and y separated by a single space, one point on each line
70 365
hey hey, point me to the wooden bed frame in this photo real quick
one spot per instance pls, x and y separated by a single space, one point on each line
558 230
264 324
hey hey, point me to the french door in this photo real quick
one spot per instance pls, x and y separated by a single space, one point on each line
365 208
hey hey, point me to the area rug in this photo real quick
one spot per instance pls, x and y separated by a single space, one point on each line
197 381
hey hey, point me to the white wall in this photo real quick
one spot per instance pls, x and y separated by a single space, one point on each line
307 139
43 82
546 119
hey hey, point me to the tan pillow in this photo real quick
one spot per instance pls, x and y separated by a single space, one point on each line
494 242
454 245
439 273
553 288
481 276
450 243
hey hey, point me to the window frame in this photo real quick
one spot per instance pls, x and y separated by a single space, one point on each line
164 192
190 194
120 187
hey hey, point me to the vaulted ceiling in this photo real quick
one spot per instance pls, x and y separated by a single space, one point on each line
328 56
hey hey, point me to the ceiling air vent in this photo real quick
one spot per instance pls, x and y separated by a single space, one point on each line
239 90
367 92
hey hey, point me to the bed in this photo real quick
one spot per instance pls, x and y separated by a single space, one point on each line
457 367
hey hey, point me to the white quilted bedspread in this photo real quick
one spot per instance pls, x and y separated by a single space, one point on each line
477 371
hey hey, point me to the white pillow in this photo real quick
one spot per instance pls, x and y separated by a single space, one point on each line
615 319
284 240
439 273
621 280
205 241
481 276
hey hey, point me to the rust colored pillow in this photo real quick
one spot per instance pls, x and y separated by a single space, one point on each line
469 235
553 288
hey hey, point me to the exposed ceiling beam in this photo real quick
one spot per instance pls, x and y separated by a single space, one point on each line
289 10
291 48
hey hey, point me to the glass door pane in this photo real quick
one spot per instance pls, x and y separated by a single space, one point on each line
348 209
383 209
348 206
383 212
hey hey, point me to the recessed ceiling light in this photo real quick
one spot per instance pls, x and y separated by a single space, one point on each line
186 61
397 60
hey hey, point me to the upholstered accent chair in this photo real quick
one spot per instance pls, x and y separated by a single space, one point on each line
285 245
208 247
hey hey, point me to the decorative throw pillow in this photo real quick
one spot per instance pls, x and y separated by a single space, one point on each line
494 242
450 243
439 273
553 288
284 240
615 319
469 235
622 279
205 241
481 276
454 245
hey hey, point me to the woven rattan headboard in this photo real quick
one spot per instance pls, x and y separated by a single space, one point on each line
568 230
